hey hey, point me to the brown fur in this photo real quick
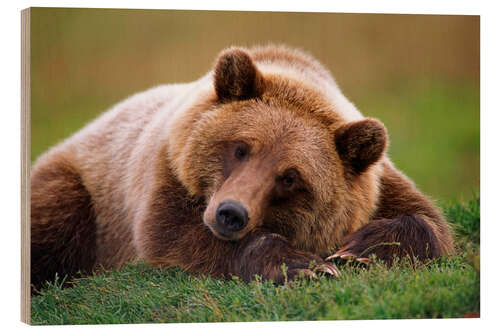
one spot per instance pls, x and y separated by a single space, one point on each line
359 145
65 223
271 132
236 77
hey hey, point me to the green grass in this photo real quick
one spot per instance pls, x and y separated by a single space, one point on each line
443 288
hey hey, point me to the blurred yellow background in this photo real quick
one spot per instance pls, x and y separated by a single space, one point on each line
419 74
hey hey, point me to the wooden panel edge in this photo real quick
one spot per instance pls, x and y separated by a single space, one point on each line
25 165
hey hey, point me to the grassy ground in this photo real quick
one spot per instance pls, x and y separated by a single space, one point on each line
443 288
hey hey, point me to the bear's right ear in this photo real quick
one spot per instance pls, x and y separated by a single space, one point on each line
360 144
236 77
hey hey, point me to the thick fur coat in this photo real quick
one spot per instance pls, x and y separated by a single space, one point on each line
259 163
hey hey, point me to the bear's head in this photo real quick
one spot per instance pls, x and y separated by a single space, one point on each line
271 153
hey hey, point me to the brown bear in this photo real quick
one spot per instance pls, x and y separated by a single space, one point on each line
261 162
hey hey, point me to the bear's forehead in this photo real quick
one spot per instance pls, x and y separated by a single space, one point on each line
290 119
265 123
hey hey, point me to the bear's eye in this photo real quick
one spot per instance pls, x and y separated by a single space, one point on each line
241 152
289 179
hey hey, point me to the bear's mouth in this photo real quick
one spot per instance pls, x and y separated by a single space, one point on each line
222 233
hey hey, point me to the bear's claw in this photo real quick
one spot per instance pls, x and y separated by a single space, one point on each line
344 253
329 269
365 260
348 256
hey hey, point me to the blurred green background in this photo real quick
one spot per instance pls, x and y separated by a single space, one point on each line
419 74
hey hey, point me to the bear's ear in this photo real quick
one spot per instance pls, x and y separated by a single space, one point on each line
360 144
236 77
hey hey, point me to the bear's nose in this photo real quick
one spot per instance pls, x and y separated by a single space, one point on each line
232 215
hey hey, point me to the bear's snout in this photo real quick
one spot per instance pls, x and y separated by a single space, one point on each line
238 205
231 216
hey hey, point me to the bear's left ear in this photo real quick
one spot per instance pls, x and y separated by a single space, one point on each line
360 144
236 77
